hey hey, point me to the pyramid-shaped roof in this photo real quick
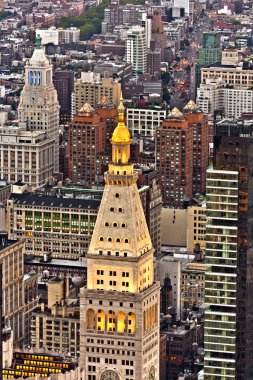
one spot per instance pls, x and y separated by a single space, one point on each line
87 109
191 106
175 113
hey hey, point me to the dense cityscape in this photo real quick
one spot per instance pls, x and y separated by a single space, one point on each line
126 189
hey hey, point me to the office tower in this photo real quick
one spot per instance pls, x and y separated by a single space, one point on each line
136 52
229 256
52 224
39 107
119 331
87 137
27 156
90 88
174 149
197 119
11 258
209 52
64 84
158 37
146 23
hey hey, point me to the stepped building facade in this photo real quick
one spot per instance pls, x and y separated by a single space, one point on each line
119 330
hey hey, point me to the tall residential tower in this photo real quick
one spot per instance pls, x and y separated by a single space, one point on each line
119 331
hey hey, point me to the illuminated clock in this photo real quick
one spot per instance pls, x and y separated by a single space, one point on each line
33 99
109 375
151 375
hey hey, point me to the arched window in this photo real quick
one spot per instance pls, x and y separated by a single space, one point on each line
115 224
101 238
111 321
109 239
118 240
101 320
106 224
121 322
90 319
131 323
112 209
126 240
120 209
123 225
117 195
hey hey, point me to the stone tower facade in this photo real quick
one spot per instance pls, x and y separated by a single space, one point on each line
39 106
119 331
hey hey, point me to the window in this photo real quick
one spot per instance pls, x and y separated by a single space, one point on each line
109 239
101 238
106 224
120 209
117 195
111 208
123 225
115 224
118 240
126 240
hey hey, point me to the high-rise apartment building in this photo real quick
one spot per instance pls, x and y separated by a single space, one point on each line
87 138
197 119
64 84
174 141
119 330
136 52
229 255
39 106
214 95
90 88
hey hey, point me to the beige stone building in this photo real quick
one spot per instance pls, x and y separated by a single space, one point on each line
119 321
90 88
57 325
173 227
193 284
26 156
39 106
231 71
17 304
196 227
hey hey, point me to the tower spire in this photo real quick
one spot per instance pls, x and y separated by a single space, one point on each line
38 42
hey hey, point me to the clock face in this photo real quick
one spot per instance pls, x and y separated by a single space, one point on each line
33 99
152 373
109 375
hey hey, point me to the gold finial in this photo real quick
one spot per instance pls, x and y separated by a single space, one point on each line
121 109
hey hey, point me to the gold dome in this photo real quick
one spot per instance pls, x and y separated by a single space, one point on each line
121 133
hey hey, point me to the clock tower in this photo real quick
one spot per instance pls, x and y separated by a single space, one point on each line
39 107
119 321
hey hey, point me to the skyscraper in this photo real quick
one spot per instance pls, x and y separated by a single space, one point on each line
120 305
136 52
64 84
87 137
198 120
175 158
229 255
39 107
